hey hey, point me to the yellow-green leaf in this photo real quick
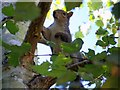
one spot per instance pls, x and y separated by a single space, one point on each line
71 5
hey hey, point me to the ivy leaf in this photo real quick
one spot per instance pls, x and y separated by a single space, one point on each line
73 47
99 23
79 34
8 10
12 27
26 11
68 76
101 31
71 5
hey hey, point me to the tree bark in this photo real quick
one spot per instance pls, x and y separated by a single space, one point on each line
32 37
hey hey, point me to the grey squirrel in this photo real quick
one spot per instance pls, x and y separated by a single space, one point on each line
58 32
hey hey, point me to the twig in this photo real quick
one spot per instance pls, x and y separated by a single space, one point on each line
95 79
77 64
43 55
5 20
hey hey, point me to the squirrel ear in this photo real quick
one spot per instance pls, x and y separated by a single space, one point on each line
69 14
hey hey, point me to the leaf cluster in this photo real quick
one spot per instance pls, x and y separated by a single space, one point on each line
106 41
58 66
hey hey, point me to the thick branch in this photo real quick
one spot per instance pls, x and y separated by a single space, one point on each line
32 37
33 33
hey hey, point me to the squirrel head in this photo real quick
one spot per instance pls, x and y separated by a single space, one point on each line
61 15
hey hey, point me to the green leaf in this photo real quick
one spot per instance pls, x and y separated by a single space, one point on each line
57 71
114 55
66 77
114 28
101 56
111 20
12 27
26 11
50 43
101 31
8 10
73 47
109 3
99 23
86 76
91 17
79 34
91 71
95 5
42 69
108 26
16 52
90 54
13 59
101 43
71 5
53 58
111 39
105 39
115 10
61 60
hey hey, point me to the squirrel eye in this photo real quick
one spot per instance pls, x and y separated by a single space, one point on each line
64 13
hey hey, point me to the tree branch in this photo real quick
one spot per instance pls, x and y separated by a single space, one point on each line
32 37
33 33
